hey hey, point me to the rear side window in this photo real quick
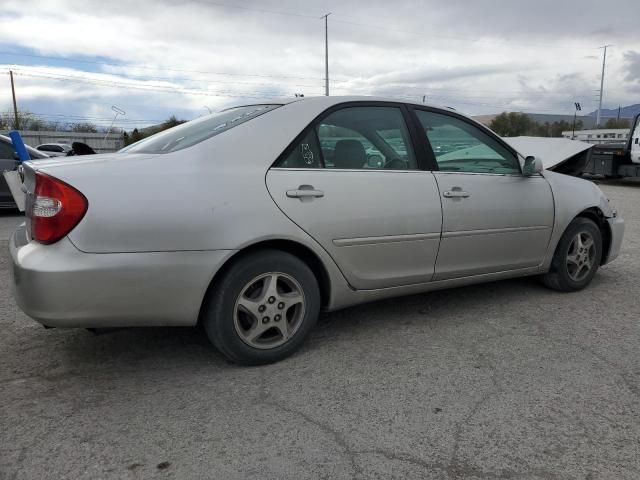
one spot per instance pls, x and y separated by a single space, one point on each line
305 154
196 131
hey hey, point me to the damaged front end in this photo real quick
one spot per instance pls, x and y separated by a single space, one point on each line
561 155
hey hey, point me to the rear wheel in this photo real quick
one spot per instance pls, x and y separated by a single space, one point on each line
577 257
262 308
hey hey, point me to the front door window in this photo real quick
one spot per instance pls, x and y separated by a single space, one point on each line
459 146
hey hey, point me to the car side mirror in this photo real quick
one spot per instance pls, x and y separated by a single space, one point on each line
532 166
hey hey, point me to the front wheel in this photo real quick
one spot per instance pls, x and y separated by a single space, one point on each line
577 257
262 308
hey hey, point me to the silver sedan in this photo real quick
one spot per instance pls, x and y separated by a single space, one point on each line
252 220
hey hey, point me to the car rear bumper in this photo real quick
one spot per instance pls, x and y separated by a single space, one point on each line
617 232
61 286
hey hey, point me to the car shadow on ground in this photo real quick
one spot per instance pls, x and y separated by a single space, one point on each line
128 348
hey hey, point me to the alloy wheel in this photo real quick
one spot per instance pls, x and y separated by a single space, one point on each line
581 256
269 310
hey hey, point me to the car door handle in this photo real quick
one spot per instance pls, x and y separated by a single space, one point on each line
305 193
456 194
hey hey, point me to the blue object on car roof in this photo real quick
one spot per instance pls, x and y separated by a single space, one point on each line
18 144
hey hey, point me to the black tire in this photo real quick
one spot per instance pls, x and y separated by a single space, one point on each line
220 315
559 276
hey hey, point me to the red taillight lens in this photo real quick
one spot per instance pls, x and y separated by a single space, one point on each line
55 208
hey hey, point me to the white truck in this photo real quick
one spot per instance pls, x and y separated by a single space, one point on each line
617 161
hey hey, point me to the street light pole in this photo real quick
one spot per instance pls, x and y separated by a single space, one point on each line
575 114
326 54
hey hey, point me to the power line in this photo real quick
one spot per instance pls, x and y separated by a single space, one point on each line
127 77
84 118
259 10
207 79
465 100
515 94
146 67
156 88
458 91
430 34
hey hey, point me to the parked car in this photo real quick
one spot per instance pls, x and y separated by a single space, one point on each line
55 149
234 220
9 161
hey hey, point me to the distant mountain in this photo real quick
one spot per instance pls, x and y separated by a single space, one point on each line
629 111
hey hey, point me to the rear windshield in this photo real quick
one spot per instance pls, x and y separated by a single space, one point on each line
197 130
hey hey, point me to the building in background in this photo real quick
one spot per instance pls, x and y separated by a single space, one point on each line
600 136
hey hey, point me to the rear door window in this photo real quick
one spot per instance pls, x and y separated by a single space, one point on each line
368 138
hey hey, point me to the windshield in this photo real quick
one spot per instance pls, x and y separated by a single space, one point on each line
195 131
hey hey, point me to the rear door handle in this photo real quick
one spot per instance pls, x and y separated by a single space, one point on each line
305 191
456 194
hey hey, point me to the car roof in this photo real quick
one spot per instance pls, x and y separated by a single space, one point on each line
329 101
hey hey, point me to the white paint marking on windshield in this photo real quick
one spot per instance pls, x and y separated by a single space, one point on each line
172 143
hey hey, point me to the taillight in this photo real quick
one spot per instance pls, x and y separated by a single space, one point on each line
55 208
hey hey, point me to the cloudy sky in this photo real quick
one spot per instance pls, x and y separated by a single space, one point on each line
74 59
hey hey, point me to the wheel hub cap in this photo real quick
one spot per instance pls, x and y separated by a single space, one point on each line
581 256
269 310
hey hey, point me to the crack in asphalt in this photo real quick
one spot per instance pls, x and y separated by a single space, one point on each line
454 469
334 434
454 465
619 370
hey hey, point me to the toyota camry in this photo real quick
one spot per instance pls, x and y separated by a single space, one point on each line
252 220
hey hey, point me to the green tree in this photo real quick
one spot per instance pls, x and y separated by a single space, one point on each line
617 123
558 127
133 137
84 127
512 124
27 121
137 135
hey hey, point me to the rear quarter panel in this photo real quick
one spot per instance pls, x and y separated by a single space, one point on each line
211 196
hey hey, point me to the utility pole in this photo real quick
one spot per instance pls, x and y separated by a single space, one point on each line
604 62
15 106
326 54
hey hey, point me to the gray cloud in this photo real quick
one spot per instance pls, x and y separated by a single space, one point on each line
482 56
632 66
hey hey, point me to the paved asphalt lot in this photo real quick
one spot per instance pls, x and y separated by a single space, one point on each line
499 381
